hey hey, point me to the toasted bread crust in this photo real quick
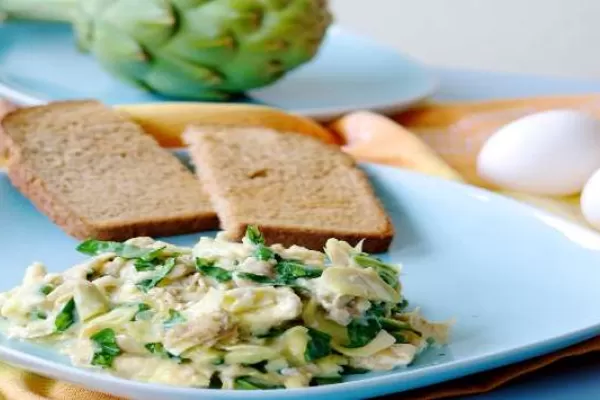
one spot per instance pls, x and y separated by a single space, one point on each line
25 179
313 238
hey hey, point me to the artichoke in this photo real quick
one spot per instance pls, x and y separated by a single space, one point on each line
190 49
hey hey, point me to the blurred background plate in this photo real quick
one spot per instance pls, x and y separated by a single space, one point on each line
39 62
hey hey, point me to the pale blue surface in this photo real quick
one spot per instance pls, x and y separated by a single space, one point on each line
511 276
39 61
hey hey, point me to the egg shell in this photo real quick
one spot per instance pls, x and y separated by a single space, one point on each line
590 200
548 153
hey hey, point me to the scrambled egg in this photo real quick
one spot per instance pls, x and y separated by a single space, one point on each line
222 314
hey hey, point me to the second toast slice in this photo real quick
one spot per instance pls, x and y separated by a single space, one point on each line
296 189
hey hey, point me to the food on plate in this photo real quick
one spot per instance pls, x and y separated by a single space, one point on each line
590 200
210 49
550 153
223 314
297 189
97 174
166 121
376 138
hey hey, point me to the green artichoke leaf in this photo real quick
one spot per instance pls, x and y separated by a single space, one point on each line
121 54
189 81
149 22
191 49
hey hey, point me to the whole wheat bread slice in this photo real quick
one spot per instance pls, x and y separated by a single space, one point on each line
296 189
98 175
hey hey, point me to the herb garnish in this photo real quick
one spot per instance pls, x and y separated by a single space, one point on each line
318 346
107 348
161 273
66 317
159 350
207 268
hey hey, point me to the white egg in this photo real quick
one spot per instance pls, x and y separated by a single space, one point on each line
590 200
548 153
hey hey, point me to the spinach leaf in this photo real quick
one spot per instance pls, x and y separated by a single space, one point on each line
262 279
254 236
400 307
259 366
348 370
290 270
159 350
218 361
174 318
206 267
145 259
46 289
318 346
252 383
96 247
287 271
161 273
149 261
319 381
400 338
362 330
106 348
263 253
379 310
215 382
143 307
66 317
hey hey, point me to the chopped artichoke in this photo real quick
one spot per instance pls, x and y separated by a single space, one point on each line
382 341
114 319
314 317
249 354
258 309
90 301
364 283
204 330
394 356
293 344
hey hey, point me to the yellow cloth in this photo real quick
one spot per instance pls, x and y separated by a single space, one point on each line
16 384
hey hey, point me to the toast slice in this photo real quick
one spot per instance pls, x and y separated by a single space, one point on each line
295 188
98 175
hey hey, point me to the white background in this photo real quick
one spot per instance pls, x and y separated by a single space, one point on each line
546 37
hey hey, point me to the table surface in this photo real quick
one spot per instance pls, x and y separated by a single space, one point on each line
570 379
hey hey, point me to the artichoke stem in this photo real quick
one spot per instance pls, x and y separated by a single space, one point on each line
45 10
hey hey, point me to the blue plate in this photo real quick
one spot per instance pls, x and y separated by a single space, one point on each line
39 63
519 282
